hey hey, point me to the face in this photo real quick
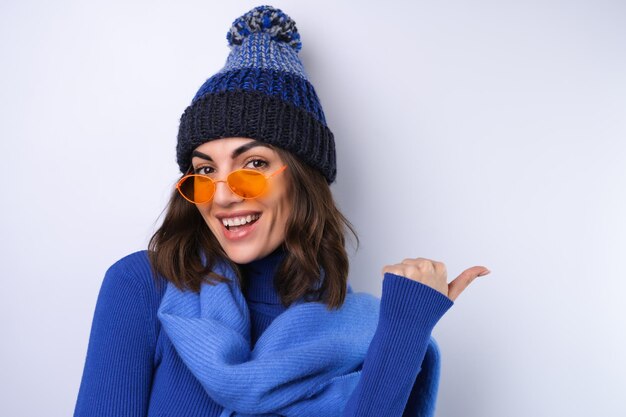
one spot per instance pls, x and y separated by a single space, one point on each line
262 220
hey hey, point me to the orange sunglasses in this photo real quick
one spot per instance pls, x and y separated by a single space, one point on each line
246 183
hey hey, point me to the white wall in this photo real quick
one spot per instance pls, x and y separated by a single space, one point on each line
474 133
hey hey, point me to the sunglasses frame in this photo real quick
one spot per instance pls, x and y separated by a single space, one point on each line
189 175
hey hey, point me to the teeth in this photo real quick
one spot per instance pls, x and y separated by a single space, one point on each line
238 221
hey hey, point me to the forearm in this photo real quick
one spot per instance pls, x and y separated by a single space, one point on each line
409 311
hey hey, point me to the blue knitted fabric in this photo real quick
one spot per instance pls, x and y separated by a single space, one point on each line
255 45
262 92
305 364
132 368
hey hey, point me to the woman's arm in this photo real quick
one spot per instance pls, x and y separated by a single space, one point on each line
120 357
409 311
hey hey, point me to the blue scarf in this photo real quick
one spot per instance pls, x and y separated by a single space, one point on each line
306 363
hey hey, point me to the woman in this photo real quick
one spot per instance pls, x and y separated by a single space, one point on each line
241 304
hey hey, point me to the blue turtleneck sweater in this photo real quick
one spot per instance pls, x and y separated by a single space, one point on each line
132 368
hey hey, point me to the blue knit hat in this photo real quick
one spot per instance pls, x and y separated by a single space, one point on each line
262 92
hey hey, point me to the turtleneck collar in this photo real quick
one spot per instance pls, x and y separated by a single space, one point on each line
259 275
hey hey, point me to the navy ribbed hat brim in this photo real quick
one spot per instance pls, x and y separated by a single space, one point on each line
248 113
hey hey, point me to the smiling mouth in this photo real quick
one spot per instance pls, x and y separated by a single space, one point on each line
237 223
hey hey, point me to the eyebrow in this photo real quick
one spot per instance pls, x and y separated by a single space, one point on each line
235 153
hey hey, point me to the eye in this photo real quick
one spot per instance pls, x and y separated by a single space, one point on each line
204 170
256 164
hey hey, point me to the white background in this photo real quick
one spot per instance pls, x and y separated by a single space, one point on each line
473 133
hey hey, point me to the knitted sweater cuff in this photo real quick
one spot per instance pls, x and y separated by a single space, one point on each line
411 304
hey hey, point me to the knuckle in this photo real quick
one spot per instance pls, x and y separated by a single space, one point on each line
409 270
390 268
425 265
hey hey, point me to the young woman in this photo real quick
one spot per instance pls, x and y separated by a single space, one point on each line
241 306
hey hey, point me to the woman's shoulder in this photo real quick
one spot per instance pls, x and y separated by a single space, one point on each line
131 277
125 327
131 262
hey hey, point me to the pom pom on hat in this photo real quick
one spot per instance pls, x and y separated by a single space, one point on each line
265 19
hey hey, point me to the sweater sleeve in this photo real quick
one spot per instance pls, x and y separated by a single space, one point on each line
409 311
118 367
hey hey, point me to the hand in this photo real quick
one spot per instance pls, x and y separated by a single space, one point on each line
434 274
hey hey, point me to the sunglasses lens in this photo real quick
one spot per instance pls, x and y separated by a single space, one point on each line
247 183
197 188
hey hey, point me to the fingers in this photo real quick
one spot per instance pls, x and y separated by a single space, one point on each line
427 265
425 271
393 269
460 283
434 274
415 267
422 264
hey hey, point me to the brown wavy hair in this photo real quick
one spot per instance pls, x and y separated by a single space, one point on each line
316 263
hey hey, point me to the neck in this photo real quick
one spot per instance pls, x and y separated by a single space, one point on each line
259 277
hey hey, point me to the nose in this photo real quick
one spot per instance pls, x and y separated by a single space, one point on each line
224 196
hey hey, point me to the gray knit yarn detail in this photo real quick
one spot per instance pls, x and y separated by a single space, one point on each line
258 50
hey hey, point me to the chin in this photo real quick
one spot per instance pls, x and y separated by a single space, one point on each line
246 253
241 256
